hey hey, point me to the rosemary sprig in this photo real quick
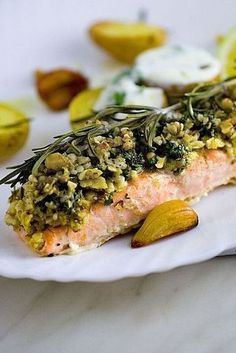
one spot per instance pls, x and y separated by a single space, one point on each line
132 116
207 91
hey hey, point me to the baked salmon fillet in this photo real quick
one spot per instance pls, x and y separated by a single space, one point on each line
132 205
102 180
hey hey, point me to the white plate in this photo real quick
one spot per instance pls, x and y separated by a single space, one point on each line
60 40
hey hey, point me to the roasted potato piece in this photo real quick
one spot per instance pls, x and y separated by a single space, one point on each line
169 218
14 129
57 88
124 41
80 108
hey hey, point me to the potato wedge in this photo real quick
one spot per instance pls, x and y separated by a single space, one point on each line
124 41
14 129
57 87
80 109
169 218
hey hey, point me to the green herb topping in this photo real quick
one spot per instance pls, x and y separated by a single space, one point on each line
58 185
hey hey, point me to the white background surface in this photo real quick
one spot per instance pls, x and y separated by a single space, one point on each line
191 309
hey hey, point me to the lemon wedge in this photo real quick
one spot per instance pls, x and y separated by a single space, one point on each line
14 129
227 54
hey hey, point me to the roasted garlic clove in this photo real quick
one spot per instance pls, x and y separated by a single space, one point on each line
57 88
167 219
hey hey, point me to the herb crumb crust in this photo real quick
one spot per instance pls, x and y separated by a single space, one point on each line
60 183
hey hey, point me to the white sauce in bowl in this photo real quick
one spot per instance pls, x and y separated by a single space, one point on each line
176 66
127 92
